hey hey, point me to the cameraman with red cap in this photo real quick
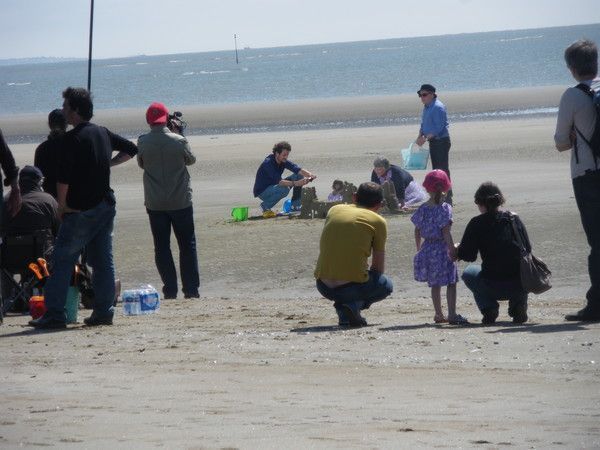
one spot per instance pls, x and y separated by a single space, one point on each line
164 157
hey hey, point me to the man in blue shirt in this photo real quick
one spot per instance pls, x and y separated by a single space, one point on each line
434 128
269 185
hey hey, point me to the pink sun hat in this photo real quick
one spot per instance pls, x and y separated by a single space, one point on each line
437 181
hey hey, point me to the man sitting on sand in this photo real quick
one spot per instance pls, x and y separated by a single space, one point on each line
351 234
270 187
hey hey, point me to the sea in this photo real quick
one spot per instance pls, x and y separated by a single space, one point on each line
460 62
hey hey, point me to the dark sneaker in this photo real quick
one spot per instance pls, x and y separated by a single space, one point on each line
353 313
47 323
94 321
192 295
586 314
489 316
343 320
518 313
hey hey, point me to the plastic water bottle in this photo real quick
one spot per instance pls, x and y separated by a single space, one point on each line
149 300
131 302
287 206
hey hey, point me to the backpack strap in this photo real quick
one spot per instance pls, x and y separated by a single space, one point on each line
590 93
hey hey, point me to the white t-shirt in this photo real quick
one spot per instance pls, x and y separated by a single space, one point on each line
576 109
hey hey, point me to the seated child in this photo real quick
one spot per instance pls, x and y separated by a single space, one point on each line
337 193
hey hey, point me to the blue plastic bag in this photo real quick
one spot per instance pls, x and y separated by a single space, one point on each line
415 157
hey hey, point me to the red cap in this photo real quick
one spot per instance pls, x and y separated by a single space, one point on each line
157 114
437 181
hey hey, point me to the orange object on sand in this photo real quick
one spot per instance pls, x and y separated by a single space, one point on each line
43 266
35 269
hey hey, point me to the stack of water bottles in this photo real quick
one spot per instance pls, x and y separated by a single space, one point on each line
142 300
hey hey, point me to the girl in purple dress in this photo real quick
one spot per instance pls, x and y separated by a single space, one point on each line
432 262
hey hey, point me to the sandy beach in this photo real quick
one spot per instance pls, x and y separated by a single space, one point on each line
259 362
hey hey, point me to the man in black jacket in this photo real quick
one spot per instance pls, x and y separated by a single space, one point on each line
87 206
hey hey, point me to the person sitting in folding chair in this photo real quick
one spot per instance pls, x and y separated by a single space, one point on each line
29 234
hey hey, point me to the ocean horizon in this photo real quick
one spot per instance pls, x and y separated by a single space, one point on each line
457 62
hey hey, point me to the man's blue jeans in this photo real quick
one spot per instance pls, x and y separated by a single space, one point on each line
271 195
91 229
375 289
182 222
488 292
587 196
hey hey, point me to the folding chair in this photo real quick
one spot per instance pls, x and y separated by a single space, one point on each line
16 252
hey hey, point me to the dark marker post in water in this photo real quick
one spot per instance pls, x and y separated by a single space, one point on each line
235 44
89 83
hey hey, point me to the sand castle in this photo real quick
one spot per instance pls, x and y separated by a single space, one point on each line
313 208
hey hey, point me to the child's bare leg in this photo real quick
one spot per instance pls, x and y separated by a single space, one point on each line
436 297
451 298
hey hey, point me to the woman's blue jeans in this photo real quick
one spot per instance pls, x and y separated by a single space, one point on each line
488 292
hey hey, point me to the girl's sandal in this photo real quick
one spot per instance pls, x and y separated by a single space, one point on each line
440 319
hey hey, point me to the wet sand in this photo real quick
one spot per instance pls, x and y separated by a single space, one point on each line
259 362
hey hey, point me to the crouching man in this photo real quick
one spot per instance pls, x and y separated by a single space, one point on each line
351 234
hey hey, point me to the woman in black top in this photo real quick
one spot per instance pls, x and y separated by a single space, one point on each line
47 154
498 276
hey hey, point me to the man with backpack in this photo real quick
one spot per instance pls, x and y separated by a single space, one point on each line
578 128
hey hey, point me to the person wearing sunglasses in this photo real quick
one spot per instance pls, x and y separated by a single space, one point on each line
434 129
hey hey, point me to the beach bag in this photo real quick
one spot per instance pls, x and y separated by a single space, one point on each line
594 141
415 157
535 275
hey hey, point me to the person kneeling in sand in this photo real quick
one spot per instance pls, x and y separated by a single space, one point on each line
407 191
351 234
270 187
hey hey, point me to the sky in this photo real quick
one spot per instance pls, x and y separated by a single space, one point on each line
59 28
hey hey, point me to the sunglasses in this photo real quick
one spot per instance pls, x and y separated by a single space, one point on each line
425 94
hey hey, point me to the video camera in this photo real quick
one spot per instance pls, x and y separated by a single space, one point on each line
175 123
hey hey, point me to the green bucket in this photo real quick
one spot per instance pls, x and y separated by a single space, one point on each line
239 213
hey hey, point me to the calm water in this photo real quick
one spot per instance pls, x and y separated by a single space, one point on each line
394 66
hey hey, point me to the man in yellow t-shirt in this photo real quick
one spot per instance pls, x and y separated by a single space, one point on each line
353 233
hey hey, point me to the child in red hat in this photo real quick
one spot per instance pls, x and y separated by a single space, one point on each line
433 263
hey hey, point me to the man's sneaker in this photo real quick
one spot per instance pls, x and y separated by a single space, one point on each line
93 321
489 316
268 214
343 320
47 323
586 314
353 313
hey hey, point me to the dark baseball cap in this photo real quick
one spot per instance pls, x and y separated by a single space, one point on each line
31 172
426 87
